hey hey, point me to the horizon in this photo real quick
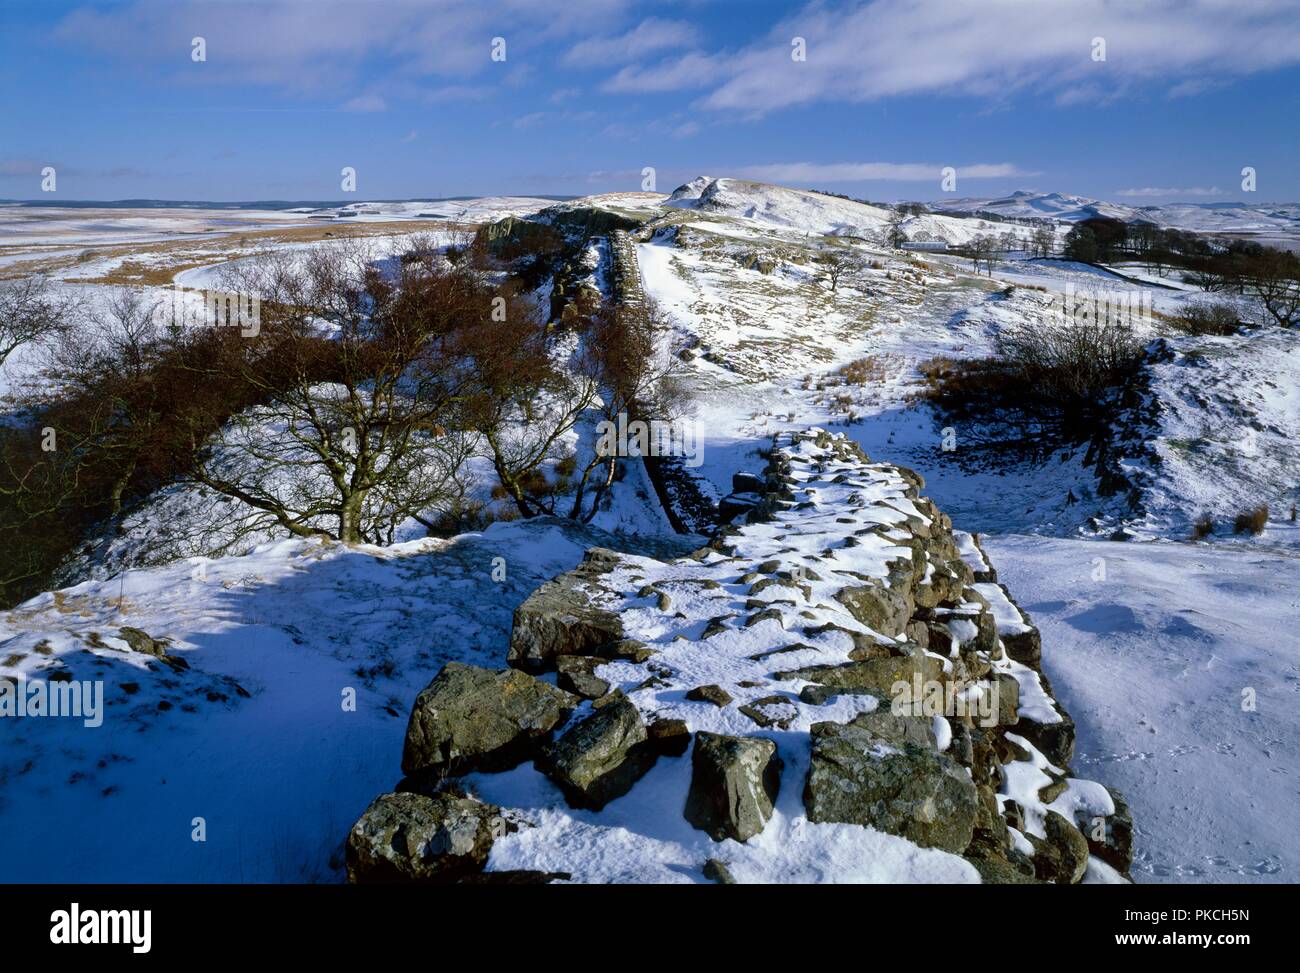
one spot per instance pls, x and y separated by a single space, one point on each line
160 203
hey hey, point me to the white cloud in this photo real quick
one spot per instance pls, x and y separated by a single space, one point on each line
820 172
365 103
648 37
688 71
1156 192
309 46
863 52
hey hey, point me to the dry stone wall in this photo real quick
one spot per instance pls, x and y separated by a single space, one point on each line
838 637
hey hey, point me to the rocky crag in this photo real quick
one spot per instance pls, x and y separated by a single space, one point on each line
838 638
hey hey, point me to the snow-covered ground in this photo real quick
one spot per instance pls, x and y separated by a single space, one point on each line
1150 661
254 736
1263 219
1180 665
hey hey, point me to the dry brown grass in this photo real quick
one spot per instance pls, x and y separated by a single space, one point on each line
1251 521
185 254
862 371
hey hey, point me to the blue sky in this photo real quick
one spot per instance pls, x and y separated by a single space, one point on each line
1008 92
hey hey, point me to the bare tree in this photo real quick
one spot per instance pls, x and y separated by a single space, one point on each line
1274 281
357 384
30 310
1072 362
894 232
836 265
1043 242
984 250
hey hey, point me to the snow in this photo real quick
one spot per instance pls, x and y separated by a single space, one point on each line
1155 662
1151 661
279 776
807 212
1280 219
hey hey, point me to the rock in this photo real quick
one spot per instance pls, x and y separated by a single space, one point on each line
627 650
716 626
141 641
716 871
1004 699
995 870
772 711
734 505
897 729
415 838
734 784
864 646
856 777
1061 856
1013 814
1053 789
875 675
792 647
576 674
883 609
1115 846
709 694
815 695
560 618
990 829
1054 740
601 757
766 615
669 738
1024 647
469 718
747 483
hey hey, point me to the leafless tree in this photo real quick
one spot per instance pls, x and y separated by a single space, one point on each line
1273 279
30 310
356 380
1043 242
837 264
984 249
894 232
1071 362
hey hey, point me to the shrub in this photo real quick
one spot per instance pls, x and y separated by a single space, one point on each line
1251 521
566 465
1070 364
862 371
1203 527
1207 317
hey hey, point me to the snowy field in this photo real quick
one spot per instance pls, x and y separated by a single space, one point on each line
1181 667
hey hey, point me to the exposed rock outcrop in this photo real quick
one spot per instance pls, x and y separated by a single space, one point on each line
734 784
476 719
408 837
601 757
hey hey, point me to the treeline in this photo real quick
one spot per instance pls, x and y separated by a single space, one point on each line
1269 275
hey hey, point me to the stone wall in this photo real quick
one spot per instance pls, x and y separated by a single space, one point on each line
838 625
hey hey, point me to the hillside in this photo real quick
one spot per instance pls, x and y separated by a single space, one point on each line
804 347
